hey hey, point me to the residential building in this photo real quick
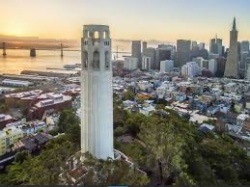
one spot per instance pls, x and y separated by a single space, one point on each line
4 120
190 69
9 136
166 66
130 63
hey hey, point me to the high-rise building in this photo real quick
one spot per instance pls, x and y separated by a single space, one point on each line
245 46
232 59
146 63
221 64
96 92
201 46
183 52
144 46
216 46
136 51
247 74
151 52
194 45
244 52
212 66
201 62
163 52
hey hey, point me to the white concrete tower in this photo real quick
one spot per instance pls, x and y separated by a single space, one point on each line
97 93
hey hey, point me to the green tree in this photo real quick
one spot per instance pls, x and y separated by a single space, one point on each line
109 172
164 149
66 119
129 95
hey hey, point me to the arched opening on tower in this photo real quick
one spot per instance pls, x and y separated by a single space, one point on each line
107 61
96 60
105 35
86 34
85 59
96 35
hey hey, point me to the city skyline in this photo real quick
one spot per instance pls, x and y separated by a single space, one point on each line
160 20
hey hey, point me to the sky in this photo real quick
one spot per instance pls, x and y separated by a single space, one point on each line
161 20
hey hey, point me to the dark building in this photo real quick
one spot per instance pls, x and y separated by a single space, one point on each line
162 54
194 45
198 53
136 52
223 51
226 52
216 46
183 52
144 47
221 64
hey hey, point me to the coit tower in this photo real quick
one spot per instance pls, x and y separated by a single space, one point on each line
96 92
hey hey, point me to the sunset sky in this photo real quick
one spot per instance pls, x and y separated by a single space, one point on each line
163 20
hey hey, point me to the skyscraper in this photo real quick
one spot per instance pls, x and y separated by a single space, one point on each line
151 52
183 51
144 47
136 52
216 46
244 52
194 45
96 92
163 52
232 59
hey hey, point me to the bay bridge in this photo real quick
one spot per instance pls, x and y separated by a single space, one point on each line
60 48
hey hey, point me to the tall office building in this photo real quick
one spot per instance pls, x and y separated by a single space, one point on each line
247 73
144 46
96 92
146 63
232 59
195 45
151 52
136 52
244 52
183 52
216 46
245 46
163 52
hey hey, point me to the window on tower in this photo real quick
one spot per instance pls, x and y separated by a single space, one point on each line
96 60
107 60
85 60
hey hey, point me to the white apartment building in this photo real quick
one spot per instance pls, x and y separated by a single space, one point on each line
130 63
190 69
146 63
166 66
